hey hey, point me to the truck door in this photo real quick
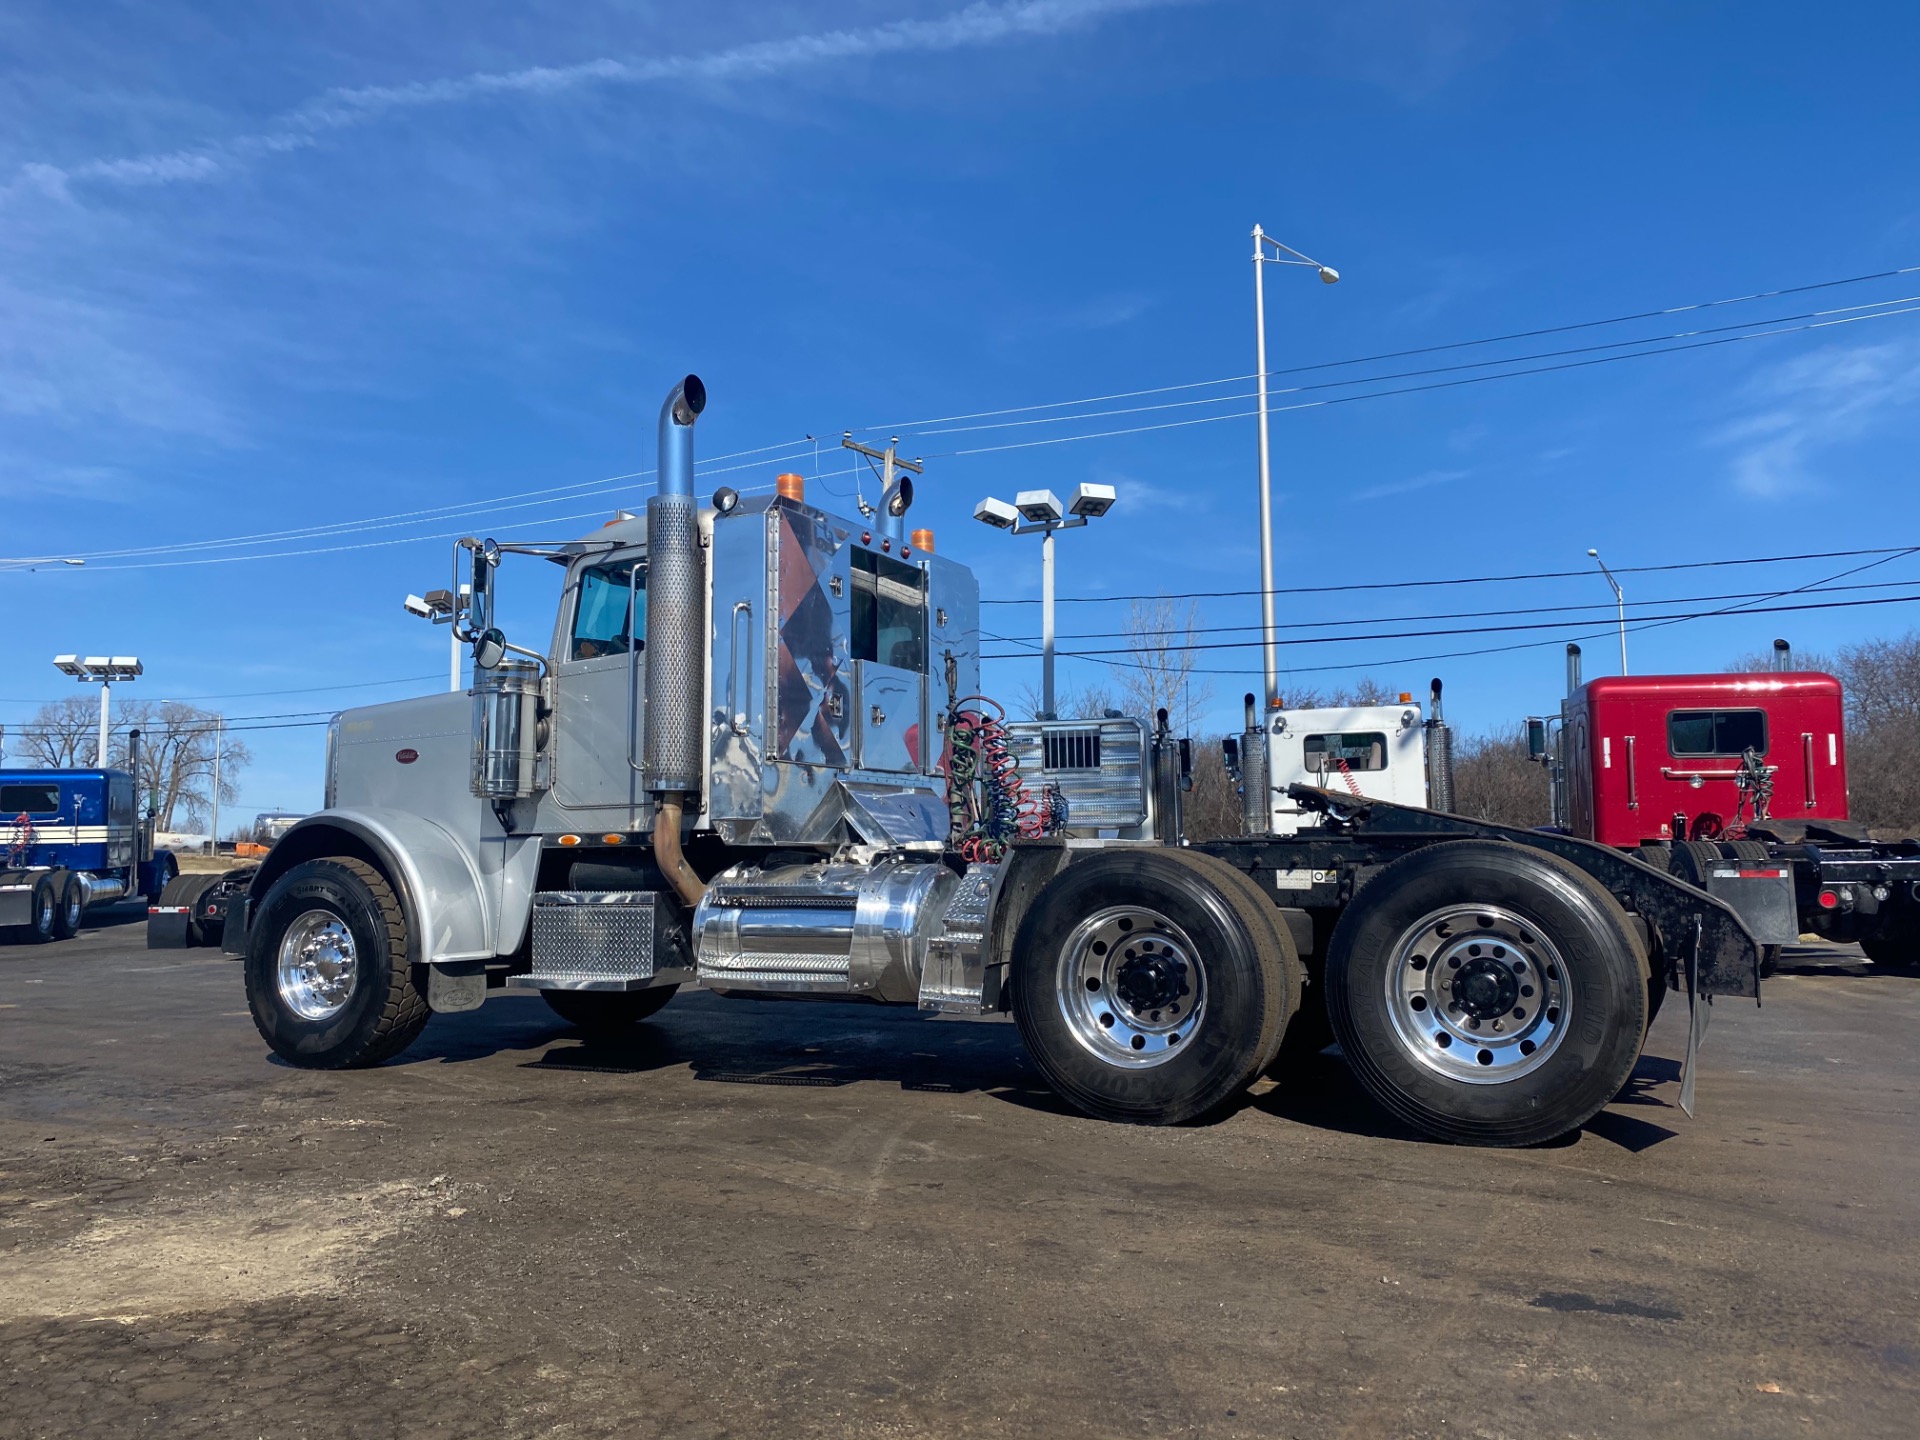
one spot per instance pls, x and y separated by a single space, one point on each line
599 685
889 642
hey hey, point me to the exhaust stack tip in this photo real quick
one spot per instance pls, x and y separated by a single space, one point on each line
689 398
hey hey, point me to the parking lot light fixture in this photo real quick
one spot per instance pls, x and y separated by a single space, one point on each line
106 671
1040 512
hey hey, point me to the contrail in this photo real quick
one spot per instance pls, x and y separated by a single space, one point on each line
343 109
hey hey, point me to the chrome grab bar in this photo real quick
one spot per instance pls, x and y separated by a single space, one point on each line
634 642
1633 788
737 719
1668 773
1806 750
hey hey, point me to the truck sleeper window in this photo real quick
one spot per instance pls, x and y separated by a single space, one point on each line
600 621
889 612
1366 751
29 800
1716 732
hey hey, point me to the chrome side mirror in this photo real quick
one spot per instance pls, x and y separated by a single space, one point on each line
489 649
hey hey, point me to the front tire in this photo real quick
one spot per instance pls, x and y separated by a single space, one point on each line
1488 994
329 978
1149 987
604 1013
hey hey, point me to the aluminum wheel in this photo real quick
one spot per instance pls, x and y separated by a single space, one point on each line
1131 986
317 965
1478 994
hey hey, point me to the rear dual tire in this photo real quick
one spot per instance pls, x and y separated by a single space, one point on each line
1486 994
1152 987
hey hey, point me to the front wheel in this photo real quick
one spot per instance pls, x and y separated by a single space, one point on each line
328 975
1488 994
1151 988
607 1012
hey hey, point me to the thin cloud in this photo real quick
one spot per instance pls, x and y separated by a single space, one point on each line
1411 484
336 110
1812 404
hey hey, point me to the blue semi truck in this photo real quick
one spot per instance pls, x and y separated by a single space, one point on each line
73 839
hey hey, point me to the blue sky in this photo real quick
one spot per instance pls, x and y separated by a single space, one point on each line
365 267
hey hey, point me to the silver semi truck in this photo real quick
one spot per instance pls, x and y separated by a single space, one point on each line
750 758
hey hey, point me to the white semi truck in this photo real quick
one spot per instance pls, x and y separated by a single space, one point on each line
750 758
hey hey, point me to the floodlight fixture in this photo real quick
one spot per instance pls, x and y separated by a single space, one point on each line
108 670
996 513
1039 507
1091 501
416 605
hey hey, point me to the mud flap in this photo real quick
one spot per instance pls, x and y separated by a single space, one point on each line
1699 1010
167 927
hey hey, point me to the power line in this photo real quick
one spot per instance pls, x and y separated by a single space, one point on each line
1648 622
1576 614
1475 579
1405 354
1416 389
1509 360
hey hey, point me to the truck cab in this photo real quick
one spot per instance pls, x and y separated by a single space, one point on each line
1649 758
70 839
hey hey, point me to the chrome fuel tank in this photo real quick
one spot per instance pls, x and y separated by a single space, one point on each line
828 929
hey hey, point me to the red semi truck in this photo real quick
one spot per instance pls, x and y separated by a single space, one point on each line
1731 779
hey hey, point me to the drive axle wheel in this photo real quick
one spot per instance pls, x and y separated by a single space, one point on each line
43 912
1149 988
73 904
328 974
607 1012
1488 994
1896 947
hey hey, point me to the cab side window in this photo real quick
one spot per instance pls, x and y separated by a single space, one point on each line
611 614
1716 732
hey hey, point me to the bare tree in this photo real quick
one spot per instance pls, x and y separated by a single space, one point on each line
63 735
1163 635
1493 779
1091 703
1212 808
177 759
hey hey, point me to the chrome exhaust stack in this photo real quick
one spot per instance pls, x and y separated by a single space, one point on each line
1573 668
676 636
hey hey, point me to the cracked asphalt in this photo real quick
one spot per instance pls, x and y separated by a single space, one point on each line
804 1220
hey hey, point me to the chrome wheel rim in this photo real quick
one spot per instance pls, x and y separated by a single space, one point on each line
1131 986
317 965
1477 993
74 908
43 913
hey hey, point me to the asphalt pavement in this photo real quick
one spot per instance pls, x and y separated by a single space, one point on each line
795 1220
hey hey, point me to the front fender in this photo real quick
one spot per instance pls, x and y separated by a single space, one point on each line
449 914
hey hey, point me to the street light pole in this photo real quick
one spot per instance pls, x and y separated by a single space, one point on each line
1620 605
1046 622
1283 255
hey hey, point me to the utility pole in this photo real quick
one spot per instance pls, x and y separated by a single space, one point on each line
893 507
1282 255
219 738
